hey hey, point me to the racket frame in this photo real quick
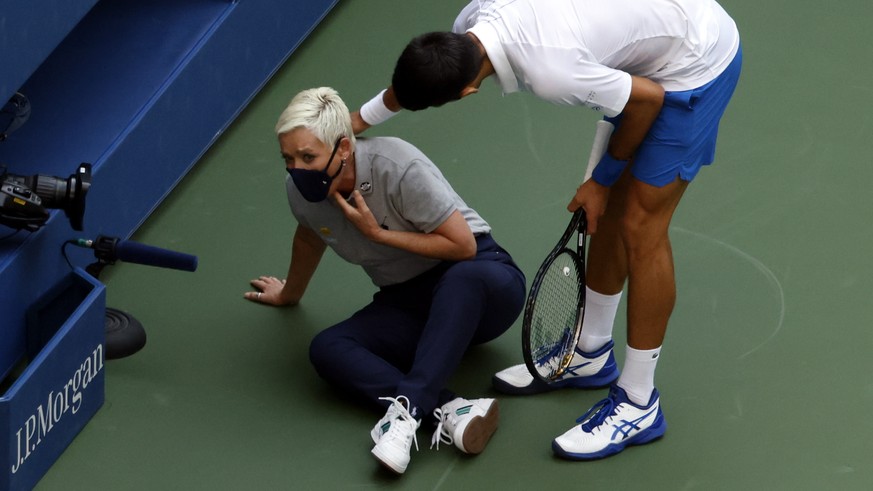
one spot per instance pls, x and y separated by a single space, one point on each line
578 225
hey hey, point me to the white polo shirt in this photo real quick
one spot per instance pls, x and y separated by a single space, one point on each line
405 191
583 52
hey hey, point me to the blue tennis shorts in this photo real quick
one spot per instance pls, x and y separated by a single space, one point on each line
682 138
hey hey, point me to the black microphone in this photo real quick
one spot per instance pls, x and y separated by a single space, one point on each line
111 249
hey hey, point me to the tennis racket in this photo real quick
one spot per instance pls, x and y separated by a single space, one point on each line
555 305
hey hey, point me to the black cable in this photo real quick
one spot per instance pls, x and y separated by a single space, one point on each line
64 253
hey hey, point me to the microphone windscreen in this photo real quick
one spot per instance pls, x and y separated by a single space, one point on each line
134 252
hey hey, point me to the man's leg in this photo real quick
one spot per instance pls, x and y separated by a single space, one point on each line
632 409
632 242
651 282
606 264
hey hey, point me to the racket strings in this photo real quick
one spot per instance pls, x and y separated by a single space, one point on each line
555 313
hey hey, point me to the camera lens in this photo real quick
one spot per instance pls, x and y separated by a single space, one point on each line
55 192
65 194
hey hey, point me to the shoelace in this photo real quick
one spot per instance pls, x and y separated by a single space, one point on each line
547 355
402 413
441 434
597 414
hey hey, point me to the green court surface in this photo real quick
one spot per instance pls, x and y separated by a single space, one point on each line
765 375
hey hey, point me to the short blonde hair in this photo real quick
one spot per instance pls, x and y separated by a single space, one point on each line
321 111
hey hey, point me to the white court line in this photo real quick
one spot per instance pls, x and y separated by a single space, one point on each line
528 135
760 267
446 474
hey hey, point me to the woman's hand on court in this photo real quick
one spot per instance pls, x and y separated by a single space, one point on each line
592 197
269 291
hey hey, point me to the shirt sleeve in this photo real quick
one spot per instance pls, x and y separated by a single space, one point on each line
424 199
467 18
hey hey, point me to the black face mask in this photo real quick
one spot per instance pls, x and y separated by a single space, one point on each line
315 184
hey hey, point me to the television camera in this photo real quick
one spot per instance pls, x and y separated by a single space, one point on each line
25 200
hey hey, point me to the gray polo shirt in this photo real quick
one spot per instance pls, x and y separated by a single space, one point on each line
405 191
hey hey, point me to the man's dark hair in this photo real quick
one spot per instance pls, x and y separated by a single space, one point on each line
434 68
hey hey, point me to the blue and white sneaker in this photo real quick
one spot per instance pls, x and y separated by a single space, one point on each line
586 371
611 425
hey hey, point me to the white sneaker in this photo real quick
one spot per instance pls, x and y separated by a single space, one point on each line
394 435
586 371
467 424
611 425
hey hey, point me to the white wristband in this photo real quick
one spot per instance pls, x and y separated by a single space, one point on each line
375 111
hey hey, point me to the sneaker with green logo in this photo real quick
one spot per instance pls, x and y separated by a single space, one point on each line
394 435
468 424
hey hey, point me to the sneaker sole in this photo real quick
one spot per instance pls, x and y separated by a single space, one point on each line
479 430
650 434
386 462
538 387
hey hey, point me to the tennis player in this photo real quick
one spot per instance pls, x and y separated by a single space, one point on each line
663 72
444 283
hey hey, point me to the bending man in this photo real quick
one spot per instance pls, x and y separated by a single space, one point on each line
663 72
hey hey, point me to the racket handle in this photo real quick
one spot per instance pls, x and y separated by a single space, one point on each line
601 140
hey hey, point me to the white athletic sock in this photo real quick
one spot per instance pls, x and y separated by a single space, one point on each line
638 374
600 313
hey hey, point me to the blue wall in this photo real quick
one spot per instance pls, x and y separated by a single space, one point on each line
138 88
31 31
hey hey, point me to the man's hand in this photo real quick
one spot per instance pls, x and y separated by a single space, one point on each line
592 197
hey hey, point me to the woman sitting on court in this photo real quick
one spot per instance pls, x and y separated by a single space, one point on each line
443 282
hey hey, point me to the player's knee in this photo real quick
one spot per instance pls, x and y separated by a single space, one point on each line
321 349
641 232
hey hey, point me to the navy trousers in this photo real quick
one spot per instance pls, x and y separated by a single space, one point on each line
410 340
